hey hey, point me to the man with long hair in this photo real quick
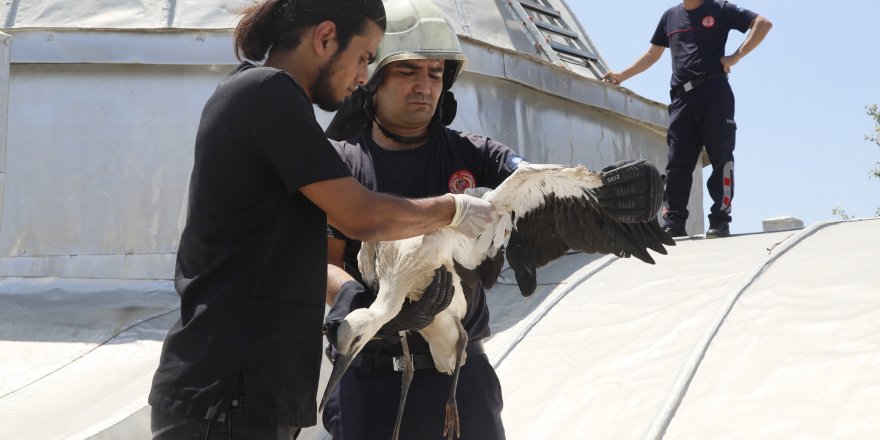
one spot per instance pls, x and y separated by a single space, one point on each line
243 360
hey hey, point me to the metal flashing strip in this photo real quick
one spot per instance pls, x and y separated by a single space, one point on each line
5 48
673 400
137 266
166 47
547 78
214 48
29 286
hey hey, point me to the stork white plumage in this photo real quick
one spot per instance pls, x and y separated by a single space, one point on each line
552 208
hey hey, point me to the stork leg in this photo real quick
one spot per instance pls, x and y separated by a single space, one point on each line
408 372
452 427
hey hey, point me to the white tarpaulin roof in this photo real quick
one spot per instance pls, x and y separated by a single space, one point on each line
742 338
763 336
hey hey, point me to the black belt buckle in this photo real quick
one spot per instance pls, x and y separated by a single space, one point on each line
694 83
690 85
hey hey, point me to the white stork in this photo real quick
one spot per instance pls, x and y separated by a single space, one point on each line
552 208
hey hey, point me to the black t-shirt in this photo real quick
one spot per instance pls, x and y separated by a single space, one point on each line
697 38
450 161
251 265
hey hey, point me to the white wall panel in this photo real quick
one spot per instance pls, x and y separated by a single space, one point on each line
99 157
100 149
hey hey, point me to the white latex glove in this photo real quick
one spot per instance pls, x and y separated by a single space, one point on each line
472 215
477 192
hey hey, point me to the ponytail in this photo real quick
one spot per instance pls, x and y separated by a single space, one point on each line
279 24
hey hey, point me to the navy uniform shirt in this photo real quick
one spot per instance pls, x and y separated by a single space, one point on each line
251 266
449 162
697 38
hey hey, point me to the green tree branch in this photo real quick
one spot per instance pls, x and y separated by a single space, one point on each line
873 112
874 137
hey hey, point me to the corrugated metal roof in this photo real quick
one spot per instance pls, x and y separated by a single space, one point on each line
152 85
122 14
492 22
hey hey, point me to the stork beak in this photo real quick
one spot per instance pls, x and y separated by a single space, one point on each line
343 361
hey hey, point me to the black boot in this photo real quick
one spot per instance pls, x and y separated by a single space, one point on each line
718 229
675 230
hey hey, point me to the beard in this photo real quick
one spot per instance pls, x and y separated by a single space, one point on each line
322 90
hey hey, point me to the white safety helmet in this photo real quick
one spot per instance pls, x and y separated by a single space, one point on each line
415 30
418 30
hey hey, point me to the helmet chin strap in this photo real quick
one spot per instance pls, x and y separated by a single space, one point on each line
405 139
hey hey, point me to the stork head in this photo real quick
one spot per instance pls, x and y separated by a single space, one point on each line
353 333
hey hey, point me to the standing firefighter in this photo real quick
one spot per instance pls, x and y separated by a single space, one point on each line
702 108
243 359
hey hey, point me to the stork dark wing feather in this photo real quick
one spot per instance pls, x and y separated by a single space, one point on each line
490 268
576 223
533 243
469 280
522 261
538 231
486 273
650 234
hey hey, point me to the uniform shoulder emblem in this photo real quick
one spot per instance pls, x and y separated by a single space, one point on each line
514 161
708 21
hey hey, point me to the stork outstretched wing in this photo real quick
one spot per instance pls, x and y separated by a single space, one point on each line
552 209
541 212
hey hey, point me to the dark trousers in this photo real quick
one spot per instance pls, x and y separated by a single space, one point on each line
364 406
167 426
702 117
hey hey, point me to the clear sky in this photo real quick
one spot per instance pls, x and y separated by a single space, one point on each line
800 102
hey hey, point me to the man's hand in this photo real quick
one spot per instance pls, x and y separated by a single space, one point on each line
420 314
729 61
349 296
613 77
472 215
632 191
